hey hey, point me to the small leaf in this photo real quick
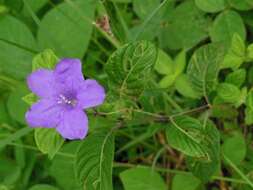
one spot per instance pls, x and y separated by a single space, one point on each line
204 67
48 141
93 164
167 81
43 187
185 182
228 92
242 5
142 178
129 68
250 53
232 143
183 86
164 63
30 99
46 60
211 6
236 53
237 77
249 109
180 63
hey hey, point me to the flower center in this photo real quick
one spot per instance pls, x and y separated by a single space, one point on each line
67 101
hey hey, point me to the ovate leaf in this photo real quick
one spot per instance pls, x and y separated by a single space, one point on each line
43 187
229 93
17 45
235 142
129 68
186 182
93 164
237 77
249 109
142 178
184 87
67 28
225 26
186 134
242 5
48 141
46 60
205 168
187 26
164 63
204 67
210 6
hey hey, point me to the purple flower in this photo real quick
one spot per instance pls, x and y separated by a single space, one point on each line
63 95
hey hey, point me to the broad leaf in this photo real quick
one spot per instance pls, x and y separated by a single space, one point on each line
225 26
142 178
187 26
205 168
186 134
129 68
228 92
48 141
204 67
17 45
43 187
93 164
67 28
237 77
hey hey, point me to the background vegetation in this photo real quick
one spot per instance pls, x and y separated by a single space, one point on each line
179 109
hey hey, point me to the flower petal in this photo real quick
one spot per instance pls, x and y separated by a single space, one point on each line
41 83
74 124
68 74
90 94
45 113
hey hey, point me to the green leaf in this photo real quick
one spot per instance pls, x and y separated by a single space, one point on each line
142 178
185 182
183 86
241 5
43 187
236 53
211 6
237 77
225 26
232 143
16 50
229 93
204 67
46 60
249 109
62 167
167 81
48 141
67 28
129 68
94 158
30 99
249 54
187 26
16 106
186 134
205 168
180 63
164 63
142 9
